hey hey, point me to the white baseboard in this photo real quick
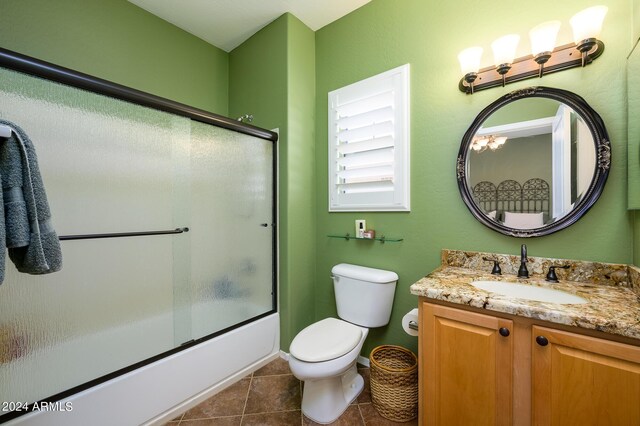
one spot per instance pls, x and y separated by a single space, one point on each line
363 361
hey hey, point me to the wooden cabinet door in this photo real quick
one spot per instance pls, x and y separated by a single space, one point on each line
582 380
467 368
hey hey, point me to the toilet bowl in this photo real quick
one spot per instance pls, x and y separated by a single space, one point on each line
324 354
331 382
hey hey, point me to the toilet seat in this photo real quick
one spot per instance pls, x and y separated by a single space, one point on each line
325 340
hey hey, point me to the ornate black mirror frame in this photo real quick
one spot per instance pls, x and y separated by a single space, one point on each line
603 160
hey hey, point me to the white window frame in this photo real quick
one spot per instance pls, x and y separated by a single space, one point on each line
392 85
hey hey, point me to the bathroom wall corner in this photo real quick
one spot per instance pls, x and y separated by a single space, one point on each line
272 76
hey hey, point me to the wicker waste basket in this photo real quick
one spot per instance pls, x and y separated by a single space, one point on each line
394 382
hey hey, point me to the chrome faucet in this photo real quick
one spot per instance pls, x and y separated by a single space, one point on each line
523 272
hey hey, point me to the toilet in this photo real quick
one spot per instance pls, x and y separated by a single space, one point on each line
324 354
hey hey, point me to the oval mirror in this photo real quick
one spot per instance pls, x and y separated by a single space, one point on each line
533 162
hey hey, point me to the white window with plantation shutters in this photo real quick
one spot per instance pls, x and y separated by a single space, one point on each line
369 144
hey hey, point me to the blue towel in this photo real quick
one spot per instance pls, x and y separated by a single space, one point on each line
26 224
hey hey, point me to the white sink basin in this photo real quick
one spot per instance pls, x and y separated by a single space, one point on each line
529 292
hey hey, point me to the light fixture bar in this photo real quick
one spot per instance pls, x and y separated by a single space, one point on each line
562 58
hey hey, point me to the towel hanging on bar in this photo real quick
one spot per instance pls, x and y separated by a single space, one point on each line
26 223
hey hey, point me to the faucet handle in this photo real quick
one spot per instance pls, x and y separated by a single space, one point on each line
551 275
496 266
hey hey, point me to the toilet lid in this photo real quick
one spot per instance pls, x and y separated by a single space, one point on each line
325 340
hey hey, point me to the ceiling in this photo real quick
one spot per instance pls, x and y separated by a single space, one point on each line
228 23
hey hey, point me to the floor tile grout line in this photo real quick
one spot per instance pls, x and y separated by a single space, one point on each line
246 399
276 375
361 415
272 412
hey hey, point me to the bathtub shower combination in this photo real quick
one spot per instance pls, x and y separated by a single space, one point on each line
166 216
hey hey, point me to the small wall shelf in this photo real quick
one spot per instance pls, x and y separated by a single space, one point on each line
382 238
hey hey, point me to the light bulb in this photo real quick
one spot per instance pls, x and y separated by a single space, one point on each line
500 140
587 23
470 59
543 37
504 49
482 142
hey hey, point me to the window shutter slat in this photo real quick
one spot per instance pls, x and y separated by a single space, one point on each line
369 103
367 132
358 188
367 159
366 145
367 174
366 118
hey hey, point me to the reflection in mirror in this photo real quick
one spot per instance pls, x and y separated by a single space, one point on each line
533 162
530 162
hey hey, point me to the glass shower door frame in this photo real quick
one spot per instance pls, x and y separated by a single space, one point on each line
37 68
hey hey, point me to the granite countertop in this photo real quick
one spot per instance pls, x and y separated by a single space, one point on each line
611 309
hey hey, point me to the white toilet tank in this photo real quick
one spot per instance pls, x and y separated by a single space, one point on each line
364 296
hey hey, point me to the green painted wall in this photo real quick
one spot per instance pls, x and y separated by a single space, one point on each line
636 238
301 168
118 41
633 94
633 147
636 20
633 130
429 34
272 77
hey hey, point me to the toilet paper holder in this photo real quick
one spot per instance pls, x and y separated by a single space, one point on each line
413 325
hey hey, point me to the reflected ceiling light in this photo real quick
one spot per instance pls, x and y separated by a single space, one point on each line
547 58
499 141
481 143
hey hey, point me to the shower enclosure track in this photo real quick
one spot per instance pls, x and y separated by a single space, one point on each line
42 69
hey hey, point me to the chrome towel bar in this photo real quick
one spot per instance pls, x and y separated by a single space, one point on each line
122 234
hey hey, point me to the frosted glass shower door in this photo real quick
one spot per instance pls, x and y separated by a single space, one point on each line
108 167
111 166
231 217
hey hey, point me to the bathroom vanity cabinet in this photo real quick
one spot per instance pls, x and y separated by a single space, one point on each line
481 369
583 380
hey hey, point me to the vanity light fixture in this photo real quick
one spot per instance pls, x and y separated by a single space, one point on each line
545 57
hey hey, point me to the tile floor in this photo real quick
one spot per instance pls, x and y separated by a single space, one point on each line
272 396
